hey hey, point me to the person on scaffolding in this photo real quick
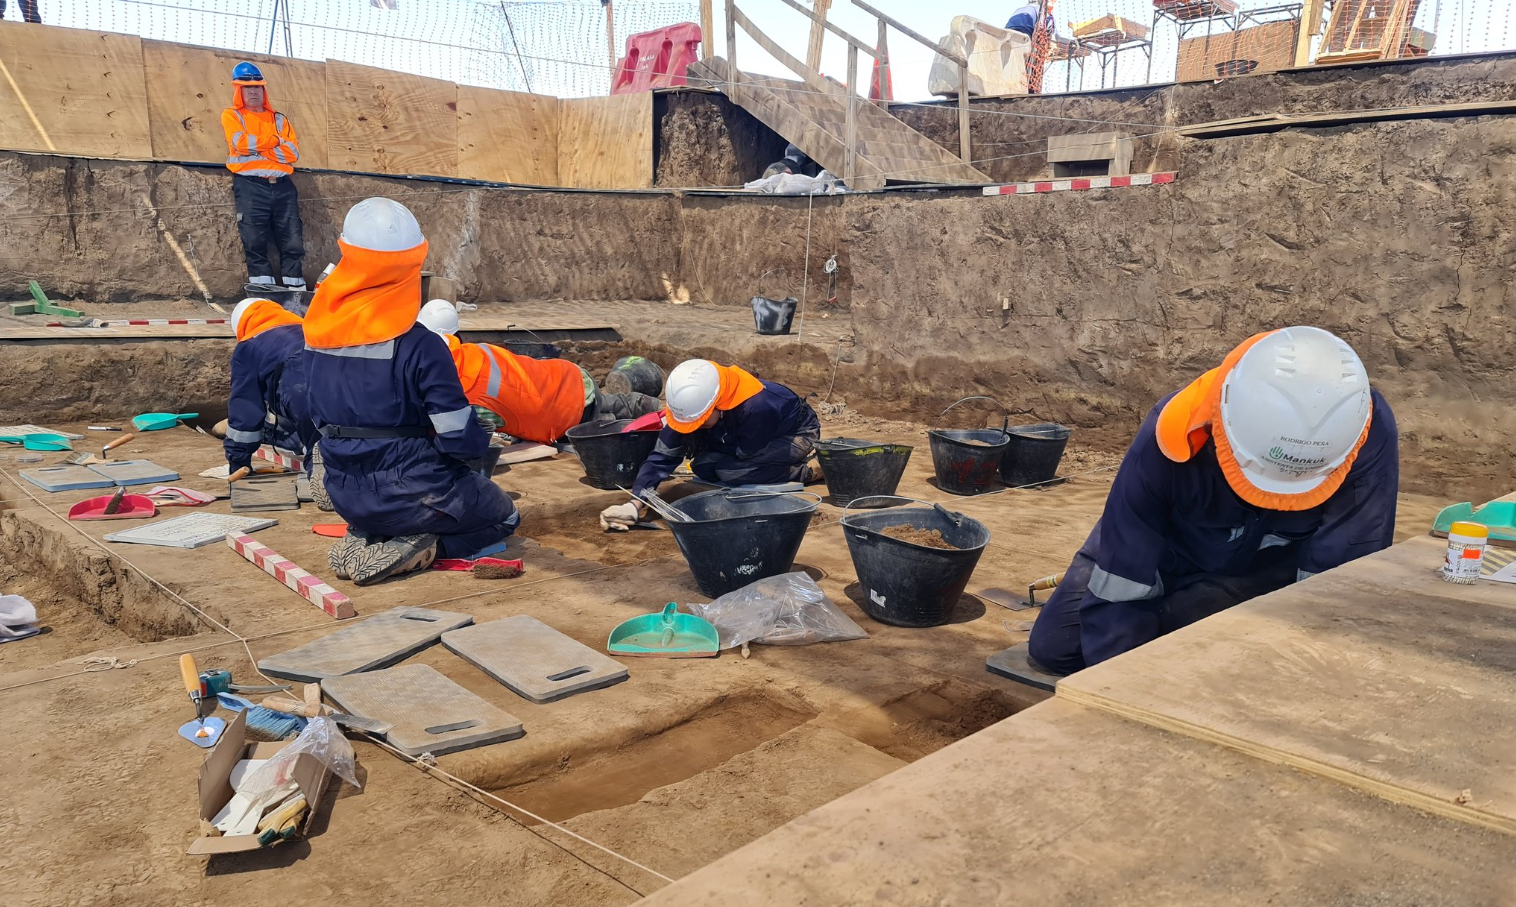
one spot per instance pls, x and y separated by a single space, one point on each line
395 428
736 430
1024 19
267 404
1277 465
262 149
29 11
529 399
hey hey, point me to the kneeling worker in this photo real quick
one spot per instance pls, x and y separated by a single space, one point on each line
395 426
531 399
1280 464
267 404
737 429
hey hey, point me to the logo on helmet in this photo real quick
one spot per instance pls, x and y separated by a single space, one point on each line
1276 453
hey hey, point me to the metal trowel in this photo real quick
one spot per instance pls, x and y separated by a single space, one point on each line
202 732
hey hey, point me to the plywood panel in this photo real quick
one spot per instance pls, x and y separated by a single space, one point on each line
380 121
507 136
188 87
72 91
1271 45
606 143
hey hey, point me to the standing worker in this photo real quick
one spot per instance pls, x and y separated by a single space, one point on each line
395 427
268 396
531 399
29 11
1277 465
737 429
1024 19
261 151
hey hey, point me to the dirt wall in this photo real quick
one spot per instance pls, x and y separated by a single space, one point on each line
703 139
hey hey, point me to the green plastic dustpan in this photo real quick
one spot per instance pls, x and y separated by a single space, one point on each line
39 441
1499 516
160 421
666 635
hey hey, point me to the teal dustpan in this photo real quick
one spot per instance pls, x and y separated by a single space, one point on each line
1499 516
666 635
39 441
160 421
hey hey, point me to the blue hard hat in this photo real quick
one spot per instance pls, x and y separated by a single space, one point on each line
246 72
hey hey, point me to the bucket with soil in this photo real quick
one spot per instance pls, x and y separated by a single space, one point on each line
855 468
611 457
913 563
1033 454
967 460
735 537
772 315
635 374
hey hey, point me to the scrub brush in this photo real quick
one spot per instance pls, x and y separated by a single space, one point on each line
496 568
267 725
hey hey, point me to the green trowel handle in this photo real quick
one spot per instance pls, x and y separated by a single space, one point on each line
669 611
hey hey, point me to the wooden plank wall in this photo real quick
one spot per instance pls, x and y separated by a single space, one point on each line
188 87
72 91
606 143
1271 44
97 94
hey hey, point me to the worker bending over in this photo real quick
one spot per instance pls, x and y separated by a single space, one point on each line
531 399
1280 464
395 427
268 403
736 429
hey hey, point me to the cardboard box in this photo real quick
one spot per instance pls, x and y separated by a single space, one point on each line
310 775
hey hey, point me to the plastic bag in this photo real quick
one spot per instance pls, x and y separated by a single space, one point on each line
785 610
323 740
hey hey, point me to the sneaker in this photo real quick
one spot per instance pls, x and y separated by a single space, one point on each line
346 554
318 482
380 560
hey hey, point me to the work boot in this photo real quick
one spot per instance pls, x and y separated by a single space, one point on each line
318 482
346 554
380 560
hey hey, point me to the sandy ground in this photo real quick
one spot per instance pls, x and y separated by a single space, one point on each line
683 763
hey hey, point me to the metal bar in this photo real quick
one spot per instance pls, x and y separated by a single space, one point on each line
849 160
707 27
910 33
963 112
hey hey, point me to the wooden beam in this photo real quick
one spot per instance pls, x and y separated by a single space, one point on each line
731 39
811 77
851 129
884 62
610 36
1275 122
707 29
818 22
911 33
1310 26
963 112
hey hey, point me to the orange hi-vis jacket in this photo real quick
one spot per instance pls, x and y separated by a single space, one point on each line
538 399
259 143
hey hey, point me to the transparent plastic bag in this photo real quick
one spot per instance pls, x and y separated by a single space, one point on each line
323 740
785 610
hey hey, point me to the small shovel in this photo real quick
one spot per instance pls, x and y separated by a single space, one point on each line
39 441
202 732
160 421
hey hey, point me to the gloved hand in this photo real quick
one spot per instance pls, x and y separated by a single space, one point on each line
619 517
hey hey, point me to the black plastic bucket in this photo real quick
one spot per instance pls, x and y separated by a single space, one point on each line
738 537
774 316
486 464
1033 454
855 468
967 460
635 374
910 585
611 457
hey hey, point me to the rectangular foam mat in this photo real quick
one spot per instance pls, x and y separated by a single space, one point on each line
534 660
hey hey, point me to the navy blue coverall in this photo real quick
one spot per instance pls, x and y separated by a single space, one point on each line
267 404
395 429
763 440
1176 544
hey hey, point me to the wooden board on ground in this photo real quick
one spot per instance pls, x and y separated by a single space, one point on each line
206 331
1394 691
606 143
72 91
507 136
1066 807
380 121
189 87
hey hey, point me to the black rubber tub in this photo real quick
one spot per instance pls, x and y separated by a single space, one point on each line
967 460
738 537
1033 454
905 584
856 468
635 374
773 316
611 457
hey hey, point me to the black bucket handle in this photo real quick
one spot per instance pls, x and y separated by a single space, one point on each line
1005 413
758 284
732 494
953 515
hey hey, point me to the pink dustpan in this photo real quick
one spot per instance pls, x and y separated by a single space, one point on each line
130 507
644 423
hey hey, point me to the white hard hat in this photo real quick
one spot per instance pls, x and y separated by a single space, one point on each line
240 312
439 316
691 390
382 225
1293 409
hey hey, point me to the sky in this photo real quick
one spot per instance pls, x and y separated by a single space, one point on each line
562 42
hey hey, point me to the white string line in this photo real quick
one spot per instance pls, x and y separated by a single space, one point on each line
176 596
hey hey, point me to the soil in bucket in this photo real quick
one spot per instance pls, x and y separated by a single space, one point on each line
736 537
967 460
855 468
927 538
907 584
1033 453
611 457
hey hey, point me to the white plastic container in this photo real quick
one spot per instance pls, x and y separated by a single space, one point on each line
1465 555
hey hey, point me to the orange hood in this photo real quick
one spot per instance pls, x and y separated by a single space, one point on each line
1193 416
370 297
263 315
737 387
237 102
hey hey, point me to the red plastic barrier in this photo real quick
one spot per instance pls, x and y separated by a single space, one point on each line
657 59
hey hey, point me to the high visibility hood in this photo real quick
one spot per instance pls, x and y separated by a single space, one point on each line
237 102
1194 416
263 315
370 297
737 387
